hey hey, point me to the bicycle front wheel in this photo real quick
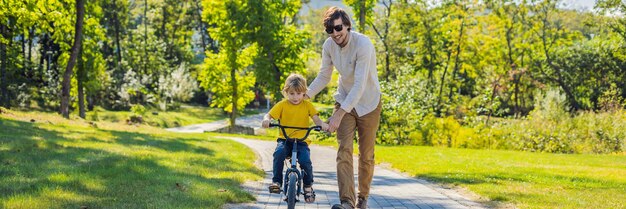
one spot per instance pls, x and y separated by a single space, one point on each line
291 190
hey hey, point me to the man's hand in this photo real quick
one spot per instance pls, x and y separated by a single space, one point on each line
335 120
324 127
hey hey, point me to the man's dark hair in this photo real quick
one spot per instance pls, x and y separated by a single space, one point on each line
334 13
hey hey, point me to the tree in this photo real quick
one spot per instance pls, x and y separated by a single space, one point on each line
65 94
226 72
551 35
383 35
457 22
364 9
13 22
91 73
614 8
505 45
281 45
4 94
115 21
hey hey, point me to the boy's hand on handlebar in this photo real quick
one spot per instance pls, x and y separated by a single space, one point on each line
265 123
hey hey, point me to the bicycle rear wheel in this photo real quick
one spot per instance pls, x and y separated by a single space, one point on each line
291 190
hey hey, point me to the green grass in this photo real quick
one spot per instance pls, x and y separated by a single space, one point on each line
524 179
186 115
511 178
58 163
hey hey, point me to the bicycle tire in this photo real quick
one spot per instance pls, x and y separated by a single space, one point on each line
291 190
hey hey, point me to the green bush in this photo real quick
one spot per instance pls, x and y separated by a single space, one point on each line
549 128
138 110
447 132
405 103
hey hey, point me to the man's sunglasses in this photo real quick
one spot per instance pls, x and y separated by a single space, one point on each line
338 28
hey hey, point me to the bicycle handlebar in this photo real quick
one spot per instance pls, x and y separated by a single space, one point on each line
316 128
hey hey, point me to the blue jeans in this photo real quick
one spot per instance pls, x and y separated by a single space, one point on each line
283 149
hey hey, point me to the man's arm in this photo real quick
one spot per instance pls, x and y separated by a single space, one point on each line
323 77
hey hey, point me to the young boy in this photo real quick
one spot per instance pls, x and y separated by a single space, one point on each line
293 111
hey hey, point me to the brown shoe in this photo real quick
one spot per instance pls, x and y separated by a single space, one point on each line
361 203
343 205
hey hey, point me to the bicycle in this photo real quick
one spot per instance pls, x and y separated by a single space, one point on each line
292 183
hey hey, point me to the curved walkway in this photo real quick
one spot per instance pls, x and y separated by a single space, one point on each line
390 189
253 121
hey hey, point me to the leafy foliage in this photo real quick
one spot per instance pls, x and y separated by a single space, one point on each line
454 72
216 73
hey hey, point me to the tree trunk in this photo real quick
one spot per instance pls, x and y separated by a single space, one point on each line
24 56
168 47
232 59
457 62
117 35
81 77
42 58
430 60
145 37
200 26
383 38
67 76
362 16
276 71
443 82
31 33
491 98
516 74
4 95
233 114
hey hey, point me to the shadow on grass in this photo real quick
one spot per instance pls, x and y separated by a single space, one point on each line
43 166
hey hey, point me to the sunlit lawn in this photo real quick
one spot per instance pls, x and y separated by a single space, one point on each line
56 163
185 115
53 162
504 178
527 180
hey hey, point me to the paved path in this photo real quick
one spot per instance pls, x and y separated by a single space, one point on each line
253 121
390 189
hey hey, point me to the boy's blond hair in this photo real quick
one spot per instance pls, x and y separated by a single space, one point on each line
295 82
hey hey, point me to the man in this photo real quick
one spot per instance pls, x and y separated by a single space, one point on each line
357 105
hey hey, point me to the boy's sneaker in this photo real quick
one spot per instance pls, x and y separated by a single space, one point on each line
309 194
274 188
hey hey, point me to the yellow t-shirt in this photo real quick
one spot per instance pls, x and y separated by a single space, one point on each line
293 115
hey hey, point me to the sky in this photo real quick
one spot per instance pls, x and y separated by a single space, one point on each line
579 4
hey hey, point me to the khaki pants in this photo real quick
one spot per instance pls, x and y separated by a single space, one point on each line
366 126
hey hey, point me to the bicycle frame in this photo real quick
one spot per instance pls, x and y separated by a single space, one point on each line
294 155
